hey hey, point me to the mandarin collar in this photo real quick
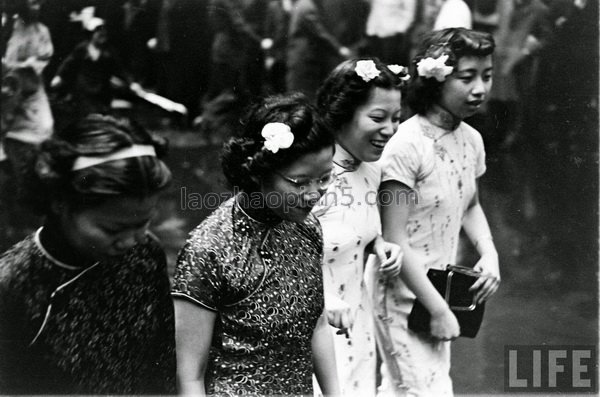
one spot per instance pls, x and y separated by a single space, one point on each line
344 159
256 210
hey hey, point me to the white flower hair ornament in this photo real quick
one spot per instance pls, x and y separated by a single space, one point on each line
399 70
434 67
277 136
366 70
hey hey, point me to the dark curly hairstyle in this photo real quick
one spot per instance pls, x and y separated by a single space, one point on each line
50 177
244 158
423 92
343 91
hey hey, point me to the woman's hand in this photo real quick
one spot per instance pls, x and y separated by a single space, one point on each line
390 257
339 314
489 281
444 325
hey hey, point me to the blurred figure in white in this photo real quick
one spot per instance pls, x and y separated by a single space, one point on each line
454 14
29 47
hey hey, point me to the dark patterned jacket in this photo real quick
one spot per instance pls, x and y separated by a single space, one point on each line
104 329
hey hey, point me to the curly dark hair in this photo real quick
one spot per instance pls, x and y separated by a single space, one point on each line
343 91
244 158
50 176
423 92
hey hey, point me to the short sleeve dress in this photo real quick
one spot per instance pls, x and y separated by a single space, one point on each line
350 219
104 329
265 282
442 167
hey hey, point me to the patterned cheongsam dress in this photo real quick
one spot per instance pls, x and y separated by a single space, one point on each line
265 282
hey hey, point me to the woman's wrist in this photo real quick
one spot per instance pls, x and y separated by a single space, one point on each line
440 310
370 248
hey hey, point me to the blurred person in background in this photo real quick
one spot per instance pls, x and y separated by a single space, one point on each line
388 28
184 36
26 117
567 82
28 51
88 75
426 14
524 29
277 26
131 28
322 34
238 47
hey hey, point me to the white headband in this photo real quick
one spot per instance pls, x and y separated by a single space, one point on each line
132 151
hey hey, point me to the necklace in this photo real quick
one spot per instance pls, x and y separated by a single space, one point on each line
344 159
430 131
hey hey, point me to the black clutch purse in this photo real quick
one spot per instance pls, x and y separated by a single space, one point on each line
453 284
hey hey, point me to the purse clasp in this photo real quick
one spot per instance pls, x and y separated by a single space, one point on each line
452 269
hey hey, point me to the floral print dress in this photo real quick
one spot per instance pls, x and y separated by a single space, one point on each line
265 281
442 167
350 219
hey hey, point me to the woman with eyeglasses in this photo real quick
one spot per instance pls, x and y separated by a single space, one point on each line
360 102
248 284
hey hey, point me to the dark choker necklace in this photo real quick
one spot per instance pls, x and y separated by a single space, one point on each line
441 117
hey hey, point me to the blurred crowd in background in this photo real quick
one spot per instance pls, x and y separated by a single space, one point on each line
211 54
199 62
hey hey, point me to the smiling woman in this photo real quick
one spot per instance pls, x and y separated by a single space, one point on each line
84 301
360 101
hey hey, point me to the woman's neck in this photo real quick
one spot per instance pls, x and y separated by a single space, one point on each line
56 244
344 158
254 205
442 118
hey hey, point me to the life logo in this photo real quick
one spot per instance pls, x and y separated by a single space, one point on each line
550 369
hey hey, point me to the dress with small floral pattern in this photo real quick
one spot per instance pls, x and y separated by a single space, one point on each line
103 329
442 167
265 281
349 216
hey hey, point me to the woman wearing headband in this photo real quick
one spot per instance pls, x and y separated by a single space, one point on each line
84 301
248 284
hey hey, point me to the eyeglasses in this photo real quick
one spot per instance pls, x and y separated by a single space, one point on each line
303 184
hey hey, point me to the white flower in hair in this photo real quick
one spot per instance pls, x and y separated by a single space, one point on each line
367 70
397 69
434 67
277 136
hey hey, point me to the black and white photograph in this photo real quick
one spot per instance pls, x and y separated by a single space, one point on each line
345 198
